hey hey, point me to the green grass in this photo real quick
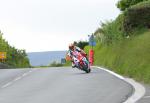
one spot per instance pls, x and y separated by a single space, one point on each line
129 57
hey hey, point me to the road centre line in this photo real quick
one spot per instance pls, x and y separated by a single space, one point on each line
6 85
30 71
24 74
16 79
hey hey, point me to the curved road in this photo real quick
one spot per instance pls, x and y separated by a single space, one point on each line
61 85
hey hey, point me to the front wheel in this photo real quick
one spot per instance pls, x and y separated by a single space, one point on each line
86 68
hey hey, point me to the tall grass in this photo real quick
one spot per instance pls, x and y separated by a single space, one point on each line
130 57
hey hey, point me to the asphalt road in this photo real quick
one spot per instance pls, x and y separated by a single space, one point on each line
61 85
146 97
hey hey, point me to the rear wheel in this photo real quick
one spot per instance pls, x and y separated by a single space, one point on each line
89 70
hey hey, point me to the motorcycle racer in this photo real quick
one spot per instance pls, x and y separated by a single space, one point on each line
71 53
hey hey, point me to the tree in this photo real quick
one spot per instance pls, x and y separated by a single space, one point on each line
124 4
81 44
15 57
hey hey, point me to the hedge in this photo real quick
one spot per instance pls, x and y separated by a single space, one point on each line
137 16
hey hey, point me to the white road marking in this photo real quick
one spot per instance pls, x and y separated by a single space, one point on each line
146 97
30 71
24 74
139 88
18 78
6 85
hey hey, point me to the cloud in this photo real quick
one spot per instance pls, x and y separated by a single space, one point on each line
40 25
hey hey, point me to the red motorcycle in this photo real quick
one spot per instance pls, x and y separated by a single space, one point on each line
81 62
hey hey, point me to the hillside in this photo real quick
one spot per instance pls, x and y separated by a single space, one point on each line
45 58
123 44
129 57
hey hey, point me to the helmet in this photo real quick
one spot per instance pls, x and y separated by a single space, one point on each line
71 46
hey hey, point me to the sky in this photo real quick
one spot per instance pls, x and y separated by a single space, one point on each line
51 25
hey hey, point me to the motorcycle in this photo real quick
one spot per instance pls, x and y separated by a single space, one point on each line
81 62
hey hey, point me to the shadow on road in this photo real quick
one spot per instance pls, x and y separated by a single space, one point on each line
92 72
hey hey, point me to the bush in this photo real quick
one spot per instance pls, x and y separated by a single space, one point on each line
110 31
128 57
81 44
15 58
137 16
124 4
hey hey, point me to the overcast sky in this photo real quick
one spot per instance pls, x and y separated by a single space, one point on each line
50 25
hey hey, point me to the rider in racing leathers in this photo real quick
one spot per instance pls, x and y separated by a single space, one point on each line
73 48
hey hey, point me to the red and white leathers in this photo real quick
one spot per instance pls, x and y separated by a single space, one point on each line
72 53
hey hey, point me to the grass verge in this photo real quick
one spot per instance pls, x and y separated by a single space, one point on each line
129 57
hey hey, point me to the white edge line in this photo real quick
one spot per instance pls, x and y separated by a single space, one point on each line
146 97
9 83
139 88
6 85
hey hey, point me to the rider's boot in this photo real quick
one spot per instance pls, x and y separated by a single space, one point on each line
73 65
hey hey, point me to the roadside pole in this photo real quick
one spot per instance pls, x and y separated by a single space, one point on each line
91 51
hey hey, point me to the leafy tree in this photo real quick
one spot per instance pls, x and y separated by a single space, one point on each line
15 57
81 44
136 17
124 4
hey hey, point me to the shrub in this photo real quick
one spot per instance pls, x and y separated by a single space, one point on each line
124 4
110 31
81 44
137 16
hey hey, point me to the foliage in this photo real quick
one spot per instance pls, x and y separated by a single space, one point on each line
126 24
128 57
137 16
124 4
15 57
110 31
81 44
129 52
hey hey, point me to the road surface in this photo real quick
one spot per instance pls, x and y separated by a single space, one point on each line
61 85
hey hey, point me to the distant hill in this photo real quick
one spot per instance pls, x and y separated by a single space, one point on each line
45 58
